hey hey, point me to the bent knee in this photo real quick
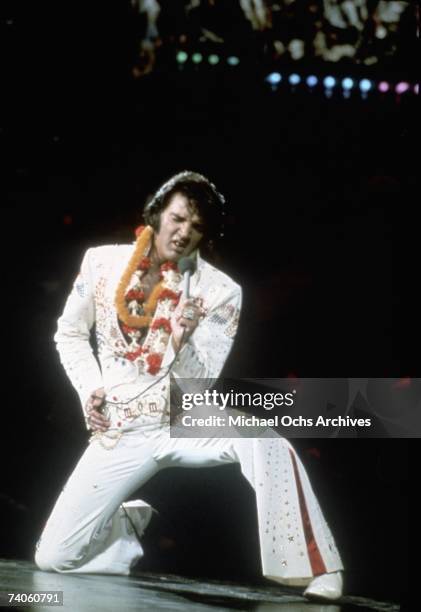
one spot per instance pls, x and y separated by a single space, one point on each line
43 561
52 560
46 561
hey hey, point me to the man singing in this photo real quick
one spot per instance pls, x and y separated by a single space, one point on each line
148 329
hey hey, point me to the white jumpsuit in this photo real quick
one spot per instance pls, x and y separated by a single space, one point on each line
87 532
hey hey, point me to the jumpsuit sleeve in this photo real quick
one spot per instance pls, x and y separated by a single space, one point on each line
205 352
73 334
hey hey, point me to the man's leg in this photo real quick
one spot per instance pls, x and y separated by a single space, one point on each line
295 542
87 531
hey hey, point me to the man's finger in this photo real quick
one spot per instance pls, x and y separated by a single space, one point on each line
94 414
99 419
98 398
102 421
97 424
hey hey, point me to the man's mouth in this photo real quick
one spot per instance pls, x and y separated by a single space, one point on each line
179 245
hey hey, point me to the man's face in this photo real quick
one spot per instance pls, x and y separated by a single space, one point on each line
181 230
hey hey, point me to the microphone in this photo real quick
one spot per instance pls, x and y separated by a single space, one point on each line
187 267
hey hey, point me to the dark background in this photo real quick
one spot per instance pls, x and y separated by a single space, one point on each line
322 234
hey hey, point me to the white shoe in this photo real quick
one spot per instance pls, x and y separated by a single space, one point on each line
326 586
140 514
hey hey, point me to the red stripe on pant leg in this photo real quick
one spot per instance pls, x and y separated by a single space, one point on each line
317 564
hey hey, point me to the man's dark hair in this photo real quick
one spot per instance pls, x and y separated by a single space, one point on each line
200 193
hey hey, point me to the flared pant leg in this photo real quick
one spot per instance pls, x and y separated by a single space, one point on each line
296 543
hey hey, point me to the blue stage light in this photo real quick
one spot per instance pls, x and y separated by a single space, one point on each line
274 78
329 82
312 80
365 85
233 60
347 83
294 79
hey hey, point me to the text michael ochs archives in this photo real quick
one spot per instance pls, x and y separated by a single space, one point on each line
268 401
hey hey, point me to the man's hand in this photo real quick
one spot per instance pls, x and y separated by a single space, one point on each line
184 320
95 419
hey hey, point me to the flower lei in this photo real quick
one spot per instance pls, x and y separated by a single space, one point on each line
134 313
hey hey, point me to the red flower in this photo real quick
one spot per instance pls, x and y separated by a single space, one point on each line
145 264
133 354
162 323
168 265
133 294
154 362
167 294
139 230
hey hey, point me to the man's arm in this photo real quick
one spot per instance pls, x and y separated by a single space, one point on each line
204 354
73 335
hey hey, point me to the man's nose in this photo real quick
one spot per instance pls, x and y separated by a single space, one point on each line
185 231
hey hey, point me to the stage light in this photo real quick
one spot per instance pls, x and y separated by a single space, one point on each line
384 86
312 80
233 60
347 83
365 85
402 87
182 57
417 89
197 58
274 78
329 82
213 59
294 79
